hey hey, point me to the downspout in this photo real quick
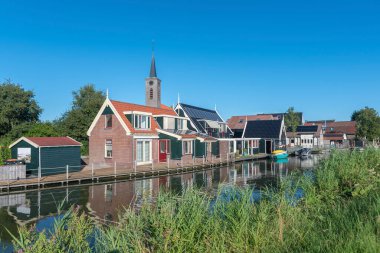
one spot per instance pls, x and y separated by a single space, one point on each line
39 162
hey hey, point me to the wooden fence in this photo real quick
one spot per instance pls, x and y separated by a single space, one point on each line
12 172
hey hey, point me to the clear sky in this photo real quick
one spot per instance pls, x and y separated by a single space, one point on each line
322 57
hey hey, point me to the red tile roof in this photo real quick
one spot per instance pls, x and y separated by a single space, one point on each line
238 122
347 127
53 141
121 107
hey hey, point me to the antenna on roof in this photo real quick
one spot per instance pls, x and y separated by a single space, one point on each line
215 107
107 93
178 99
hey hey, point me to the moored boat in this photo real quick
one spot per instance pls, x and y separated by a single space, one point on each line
279 154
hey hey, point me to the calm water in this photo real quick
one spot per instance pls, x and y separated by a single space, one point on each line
102 202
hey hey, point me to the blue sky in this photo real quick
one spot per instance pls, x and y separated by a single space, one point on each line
247 57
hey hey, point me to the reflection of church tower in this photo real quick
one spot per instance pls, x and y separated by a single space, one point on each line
153 87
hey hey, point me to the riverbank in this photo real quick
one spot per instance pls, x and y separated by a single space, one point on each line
338 212
116 172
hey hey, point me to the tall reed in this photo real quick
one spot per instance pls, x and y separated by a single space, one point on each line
339 212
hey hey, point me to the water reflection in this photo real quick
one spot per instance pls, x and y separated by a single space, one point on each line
105 201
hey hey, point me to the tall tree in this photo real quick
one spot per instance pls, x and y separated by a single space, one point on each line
367 123
292 120
75 122
17 106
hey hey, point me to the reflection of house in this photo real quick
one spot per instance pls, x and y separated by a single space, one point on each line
50 154
306 136
271 133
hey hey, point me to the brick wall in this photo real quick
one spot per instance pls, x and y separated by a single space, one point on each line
121 144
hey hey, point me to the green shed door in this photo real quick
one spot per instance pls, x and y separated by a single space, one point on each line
262 146
200 149
215 148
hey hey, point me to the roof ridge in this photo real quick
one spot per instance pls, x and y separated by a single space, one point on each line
197 107
168 107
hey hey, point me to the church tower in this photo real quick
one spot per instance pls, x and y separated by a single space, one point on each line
153 87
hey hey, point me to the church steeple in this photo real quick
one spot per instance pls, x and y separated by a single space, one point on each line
153 86
153 72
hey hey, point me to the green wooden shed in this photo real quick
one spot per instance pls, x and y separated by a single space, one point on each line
47 155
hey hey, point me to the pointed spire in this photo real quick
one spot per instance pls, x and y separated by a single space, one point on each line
153 72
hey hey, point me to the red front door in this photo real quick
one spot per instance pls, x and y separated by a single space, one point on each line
164 150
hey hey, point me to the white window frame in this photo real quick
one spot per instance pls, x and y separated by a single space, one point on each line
143 151
186 152
138 120
105 149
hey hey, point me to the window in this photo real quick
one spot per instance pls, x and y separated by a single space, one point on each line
143 151
208 145
142 122
151 93
180 124
108 149
108 120
241 121
188 147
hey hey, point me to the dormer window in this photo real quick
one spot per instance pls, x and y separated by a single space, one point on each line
108 121
142 122
180 124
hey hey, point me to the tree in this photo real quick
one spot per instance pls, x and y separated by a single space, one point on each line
292 120
367 123
17 106
75 122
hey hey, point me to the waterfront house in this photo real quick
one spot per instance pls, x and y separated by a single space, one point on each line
336 133
131 135
269 135
207 122
306 136
243 145
342 133
47 155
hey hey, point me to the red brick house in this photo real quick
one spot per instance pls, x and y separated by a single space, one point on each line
132 135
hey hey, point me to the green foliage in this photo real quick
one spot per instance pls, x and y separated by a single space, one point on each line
75 122
367 123
338 213
5 153
35 129
17 106
292 119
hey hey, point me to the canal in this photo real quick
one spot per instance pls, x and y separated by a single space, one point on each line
103 201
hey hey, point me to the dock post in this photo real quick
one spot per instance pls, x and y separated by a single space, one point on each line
168 160
193 160
67 173
181 162
152 164
203 160
227 158
92 171
114 167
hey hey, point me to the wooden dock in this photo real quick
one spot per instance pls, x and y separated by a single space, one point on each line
109 174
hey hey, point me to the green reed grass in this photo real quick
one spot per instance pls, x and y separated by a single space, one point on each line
340 212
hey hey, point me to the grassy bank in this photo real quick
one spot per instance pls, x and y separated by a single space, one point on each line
340 212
